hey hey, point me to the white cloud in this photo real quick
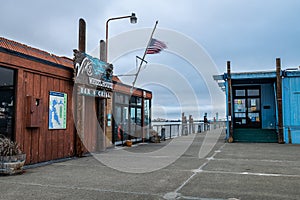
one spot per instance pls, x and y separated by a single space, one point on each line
250 33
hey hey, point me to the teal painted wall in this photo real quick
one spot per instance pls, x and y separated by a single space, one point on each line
291 107
268 114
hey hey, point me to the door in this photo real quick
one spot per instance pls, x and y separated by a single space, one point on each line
121 126
247 107
101 102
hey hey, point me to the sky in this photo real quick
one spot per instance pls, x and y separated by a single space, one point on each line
249 33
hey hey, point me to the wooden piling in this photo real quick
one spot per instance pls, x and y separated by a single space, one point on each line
279 100
229 93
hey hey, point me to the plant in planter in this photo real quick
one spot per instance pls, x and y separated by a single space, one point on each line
11 158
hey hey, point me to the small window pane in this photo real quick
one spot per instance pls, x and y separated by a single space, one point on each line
240 93
126 99
139 101
253 104
133 100
239 105
253 92
118 98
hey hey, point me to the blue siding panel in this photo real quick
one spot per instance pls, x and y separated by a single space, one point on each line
291 107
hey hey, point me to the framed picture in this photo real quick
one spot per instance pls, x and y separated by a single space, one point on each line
57 110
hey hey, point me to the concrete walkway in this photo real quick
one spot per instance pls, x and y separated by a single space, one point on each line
228 171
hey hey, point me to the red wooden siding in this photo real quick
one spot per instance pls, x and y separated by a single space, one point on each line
41 144
37 78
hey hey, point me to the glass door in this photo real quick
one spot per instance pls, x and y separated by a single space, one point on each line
246 107
121 128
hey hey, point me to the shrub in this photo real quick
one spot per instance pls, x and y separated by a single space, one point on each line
8 147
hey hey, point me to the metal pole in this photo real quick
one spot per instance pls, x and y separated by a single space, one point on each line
106 34
144 56
279 100
106 40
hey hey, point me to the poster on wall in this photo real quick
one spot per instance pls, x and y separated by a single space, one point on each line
57 110
239 105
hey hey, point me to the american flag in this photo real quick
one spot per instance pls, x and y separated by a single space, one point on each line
155 46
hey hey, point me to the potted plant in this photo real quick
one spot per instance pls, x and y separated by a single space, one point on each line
11 157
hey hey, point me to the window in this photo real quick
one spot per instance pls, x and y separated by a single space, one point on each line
253 92
139 101
132 100
7 96
240 93
147 117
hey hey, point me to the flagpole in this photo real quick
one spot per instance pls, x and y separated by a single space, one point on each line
139 69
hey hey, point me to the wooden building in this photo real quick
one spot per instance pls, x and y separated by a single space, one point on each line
28 75
37 106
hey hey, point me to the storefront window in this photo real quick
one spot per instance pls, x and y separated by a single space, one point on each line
135 116
7 91
121 119
132 121
138 116
132 113
147 117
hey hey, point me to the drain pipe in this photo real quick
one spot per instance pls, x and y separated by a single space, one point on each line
279 100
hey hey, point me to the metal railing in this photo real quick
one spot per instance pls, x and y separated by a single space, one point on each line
169 130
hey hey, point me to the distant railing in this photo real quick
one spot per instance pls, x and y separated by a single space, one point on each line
167 130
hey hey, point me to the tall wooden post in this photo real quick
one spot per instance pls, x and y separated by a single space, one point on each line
101 132
102 50
80 99
229 93
82 35
279 100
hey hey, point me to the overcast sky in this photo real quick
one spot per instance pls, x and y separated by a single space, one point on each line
249 33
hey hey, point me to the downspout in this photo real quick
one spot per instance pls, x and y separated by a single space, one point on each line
230 139
279 101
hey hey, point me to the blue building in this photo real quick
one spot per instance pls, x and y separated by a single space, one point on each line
262 106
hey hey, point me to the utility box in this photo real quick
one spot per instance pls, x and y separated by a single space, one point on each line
33 112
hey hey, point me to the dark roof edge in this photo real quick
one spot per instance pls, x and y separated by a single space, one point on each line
22 55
